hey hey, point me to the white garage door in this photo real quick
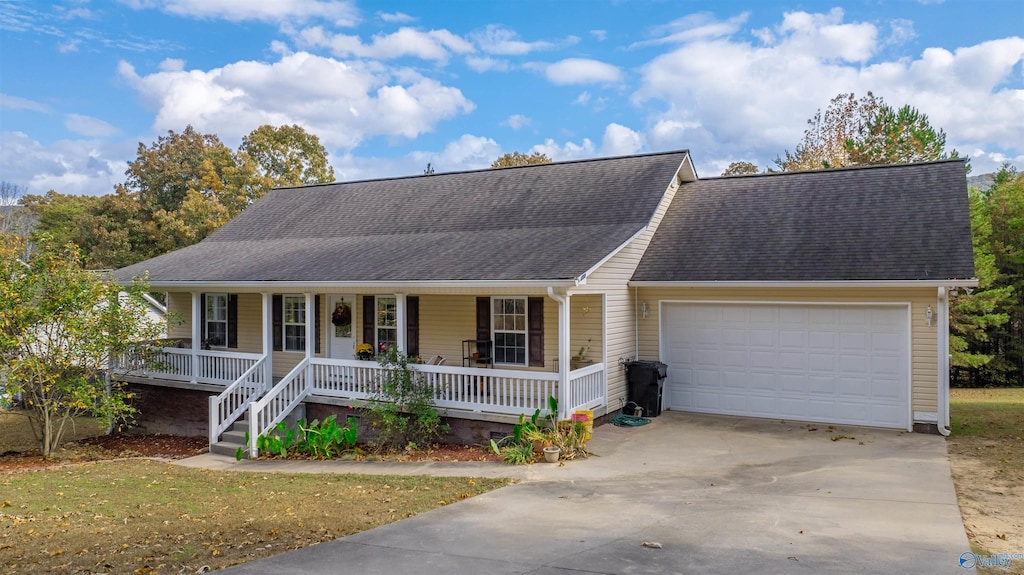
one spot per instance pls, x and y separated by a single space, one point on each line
827 363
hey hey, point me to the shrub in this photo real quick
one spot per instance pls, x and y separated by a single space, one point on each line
402 411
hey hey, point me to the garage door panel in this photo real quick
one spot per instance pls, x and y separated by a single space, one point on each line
843 364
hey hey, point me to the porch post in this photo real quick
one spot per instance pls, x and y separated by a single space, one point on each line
310 336
197 334
564 393
268 340
400 320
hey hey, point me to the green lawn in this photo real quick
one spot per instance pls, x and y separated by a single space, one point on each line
150 517
989 413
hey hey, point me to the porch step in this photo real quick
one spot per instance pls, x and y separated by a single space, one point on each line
232 439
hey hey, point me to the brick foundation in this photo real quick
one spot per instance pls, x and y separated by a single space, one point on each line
170 410
463 431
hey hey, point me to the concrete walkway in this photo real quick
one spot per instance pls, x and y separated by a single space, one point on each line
720 495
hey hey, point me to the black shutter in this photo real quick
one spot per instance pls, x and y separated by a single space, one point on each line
535 330
483 325
202 320
412 325
317 322
369 313
278 308
233 320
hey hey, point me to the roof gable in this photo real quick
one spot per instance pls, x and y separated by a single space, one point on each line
901 222
550 221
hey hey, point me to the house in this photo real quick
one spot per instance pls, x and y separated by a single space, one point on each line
815 296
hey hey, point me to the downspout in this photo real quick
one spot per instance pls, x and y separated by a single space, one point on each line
942 422
563 351
636 324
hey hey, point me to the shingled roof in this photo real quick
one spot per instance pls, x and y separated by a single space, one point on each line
542 222
903 222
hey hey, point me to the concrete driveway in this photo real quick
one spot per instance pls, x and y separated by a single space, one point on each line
718 494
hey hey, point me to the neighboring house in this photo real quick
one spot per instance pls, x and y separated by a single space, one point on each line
817 296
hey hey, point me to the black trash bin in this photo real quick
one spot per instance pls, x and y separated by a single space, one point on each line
646 380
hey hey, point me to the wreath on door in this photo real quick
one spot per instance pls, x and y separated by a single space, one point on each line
342 315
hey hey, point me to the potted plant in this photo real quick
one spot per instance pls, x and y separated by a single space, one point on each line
364 351
552 453
580 360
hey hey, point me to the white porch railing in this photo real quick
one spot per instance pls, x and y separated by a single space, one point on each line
215 367
473 389
586 388
282 398
231 403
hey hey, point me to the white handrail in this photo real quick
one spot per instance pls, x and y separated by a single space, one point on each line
279 401
586 387
226 407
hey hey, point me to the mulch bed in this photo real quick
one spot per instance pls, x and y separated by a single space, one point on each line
158 446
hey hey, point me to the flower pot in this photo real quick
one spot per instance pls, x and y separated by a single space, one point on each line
551 454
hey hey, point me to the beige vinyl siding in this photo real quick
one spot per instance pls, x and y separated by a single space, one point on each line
611 279
923 364
180 304
585 326
446 320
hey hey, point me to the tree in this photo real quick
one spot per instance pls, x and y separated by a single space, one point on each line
740 168
897 137
429 171
60 326
15 218
825 140
288 155
163 173
517 159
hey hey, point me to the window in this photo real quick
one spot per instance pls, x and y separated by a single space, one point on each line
387 323
509 330
294 323
216 320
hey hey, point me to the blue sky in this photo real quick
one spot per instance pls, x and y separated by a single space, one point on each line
390 86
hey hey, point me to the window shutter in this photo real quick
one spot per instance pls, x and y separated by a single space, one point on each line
317 322
412 325
202 319
483 325
278 313
369 313
535 329
233 320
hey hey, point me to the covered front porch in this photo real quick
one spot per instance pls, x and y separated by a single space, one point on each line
252 346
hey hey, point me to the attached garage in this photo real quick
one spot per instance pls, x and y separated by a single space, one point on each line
838 363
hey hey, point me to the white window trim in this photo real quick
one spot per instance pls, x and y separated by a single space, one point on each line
377 326
525 332
226 321
285 323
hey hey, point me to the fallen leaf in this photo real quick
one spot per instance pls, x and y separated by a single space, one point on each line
651 544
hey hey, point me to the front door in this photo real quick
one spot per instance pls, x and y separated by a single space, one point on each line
341 312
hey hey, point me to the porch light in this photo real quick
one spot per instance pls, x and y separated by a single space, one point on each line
929 314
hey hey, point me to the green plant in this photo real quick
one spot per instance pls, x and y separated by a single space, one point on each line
327 439
532 434
402 411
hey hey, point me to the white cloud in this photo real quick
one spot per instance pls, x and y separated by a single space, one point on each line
343 103
619 140
517 121
582 99
599 35
395 17
468 152
740 99
504 42
486 64
340 13
901 31
172 65
8 102
564 152
699 26
433 45
89 126
82 167
69 46
582 71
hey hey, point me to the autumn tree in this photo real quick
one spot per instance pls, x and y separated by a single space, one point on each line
824 144
517 159
898 136
288 155
740 168
60 326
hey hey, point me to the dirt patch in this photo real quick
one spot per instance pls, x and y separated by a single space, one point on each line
107 447
989 479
